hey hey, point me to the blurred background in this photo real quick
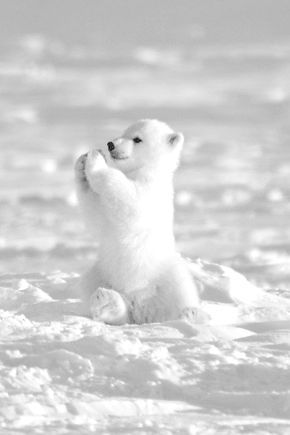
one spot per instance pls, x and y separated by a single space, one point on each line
74 72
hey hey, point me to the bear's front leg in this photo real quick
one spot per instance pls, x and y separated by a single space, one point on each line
95 168
117 192
80 175
108 306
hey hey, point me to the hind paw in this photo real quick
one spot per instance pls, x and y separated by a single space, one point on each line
194 315
109 307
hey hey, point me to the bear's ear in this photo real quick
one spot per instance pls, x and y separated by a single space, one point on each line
175 139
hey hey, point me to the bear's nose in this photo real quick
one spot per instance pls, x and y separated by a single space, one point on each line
111 146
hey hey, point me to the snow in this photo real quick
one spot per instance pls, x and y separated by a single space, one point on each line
62 90
62 370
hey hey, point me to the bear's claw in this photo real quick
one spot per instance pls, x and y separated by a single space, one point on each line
194 315
80 166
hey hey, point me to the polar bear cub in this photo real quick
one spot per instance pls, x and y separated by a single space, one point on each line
126 195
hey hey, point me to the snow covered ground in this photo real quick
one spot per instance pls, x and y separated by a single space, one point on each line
62 373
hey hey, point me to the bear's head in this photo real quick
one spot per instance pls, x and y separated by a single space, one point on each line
147 145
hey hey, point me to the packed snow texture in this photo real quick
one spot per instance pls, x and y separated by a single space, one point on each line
67 373
63 373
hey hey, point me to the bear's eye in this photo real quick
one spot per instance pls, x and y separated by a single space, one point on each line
137 140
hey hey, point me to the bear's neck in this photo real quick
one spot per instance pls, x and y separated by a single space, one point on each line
152 177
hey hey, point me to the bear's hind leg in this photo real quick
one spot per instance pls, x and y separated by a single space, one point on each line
179 285
108 306
172 296
181 292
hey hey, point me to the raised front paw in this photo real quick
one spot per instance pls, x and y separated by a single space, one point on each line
80 166
95 162
109 307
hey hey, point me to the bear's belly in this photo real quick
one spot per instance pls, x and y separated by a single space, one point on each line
131 263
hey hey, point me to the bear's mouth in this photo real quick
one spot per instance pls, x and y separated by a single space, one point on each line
119 157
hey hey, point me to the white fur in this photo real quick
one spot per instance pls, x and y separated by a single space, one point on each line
127 200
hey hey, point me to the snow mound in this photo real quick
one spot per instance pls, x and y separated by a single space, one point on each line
62 373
